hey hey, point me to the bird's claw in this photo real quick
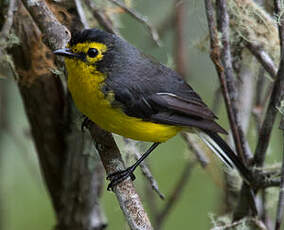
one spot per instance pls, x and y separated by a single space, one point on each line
119 176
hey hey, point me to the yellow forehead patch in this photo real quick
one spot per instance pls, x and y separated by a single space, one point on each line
84 47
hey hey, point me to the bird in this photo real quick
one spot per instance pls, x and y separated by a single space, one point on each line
127 92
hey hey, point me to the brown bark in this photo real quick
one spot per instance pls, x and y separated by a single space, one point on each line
64 153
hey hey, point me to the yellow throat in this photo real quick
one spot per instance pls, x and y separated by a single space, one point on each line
85 83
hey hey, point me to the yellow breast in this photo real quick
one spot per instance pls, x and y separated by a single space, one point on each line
85 86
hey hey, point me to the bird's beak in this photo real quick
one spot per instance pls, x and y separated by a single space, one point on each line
66 53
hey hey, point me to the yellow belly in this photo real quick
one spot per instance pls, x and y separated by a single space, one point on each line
89 99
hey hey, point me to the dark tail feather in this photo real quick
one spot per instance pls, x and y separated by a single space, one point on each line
224 152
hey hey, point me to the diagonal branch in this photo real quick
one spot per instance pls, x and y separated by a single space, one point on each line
263 57
127 197
101 17
278 97
129 200
223 65
153 32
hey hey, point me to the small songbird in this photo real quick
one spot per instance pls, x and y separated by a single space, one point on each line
126 92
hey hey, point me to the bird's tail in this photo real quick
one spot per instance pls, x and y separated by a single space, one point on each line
224 152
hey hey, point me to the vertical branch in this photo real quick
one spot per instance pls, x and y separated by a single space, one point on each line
245 102
223 64
278 96
216 57
229 86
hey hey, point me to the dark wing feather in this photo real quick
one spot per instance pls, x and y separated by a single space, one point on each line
187 106
181 120
148 90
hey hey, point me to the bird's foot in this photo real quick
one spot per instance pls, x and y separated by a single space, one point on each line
119 176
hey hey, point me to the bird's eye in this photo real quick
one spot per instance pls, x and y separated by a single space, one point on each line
92 52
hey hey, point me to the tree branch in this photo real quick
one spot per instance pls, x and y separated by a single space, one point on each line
81 13
228 82
131 149
129 200
8 20
153 32
101 17
263 58
278 100
55 35
277 93
127 197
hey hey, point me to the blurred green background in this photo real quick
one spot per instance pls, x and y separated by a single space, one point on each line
24 200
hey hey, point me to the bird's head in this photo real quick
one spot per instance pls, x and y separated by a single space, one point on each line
86 48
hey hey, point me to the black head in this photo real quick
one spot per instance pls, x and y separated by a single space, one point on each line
89 45
92 35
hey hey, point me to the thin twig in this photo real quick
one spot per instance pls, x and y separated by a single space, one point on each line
264 59
216 58
140 18
175 194
102 18
81 13
196 148
151 199
132 149
245 223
